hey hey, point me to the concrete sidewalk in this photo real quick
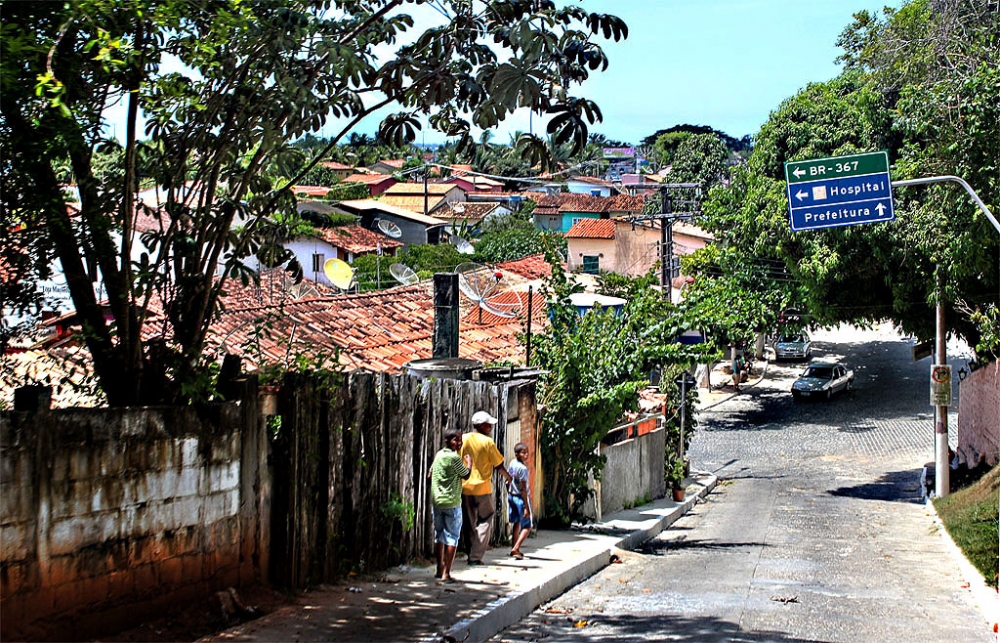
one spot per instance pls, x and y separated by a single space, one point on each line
407 604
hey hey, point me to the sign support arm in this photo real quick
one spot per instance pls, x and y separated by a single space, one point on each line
960 181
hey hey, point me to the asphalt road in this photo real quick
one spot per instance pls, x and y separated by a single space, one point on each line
816 531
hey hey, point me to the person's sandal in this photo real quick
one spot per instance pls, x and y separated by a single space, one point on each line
517 555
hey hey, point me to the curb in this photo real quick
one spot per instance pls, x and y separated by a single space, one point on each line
763 373
510 609
985 598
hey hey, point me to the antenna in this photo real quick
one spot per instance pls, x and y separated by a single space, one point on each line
403 274
463 246
339 273
300 290
487 289
389 228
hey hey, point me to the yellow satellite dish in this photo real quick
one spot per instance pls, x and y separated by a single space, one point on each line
339 273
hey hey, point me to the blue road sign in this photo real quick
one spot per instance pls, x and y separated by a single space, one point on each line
839 191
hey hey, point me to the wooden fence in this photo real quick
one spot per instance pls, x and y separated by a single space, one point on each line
350 466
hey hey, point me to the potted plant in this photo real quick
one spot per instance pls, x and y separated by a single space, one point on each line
675 478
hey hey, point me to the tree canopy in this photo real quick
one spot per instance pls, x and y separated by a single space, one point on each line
257 76
922 83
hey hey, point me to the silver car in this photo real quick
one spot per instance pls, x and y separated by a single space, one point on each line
793 346
823 379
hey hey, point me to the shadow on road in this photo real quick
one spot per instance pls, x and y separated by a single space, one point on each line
658 547
892 486
645 628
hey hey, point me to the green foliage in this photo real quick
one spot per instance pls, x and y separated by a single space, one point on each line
514 237
700 158
971 517
432 258
923 84
320 175
261 76
595 366
674 471
372 272
348 191
398 509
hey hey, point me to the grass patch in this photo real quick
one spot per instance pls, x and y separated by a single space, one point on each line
970 516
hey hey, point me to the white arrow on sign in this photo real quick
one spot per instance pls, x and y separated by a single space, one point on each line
801 195
798 172
880 208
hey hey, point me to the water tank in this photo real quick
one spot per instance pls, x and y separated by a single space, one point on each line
448 368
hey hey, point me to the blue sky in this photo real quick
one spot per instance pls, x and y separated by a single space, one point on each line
726 64
723 63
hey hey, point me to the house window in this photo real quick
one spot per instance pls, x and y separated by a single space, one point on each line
591 264
318 261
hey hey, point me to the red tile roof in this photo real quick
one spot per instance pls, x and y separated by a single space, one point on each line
628 202
377 331
592 229
470 211
358 240
531 267
583 203
368 178
567 202
310 190
592 180
433 189
334 165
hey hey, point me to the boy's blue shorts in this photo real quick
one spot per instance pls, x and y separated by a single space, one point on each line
515 512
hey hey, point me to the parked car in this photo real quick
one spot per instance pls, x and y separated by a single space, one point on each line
823 379
793 346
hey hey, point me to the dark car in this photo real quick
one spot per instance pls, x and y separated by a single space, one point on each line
823 379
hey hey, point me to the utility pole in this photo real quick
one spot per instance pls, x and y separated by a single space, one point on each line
942 463
426 172
942 466
666 217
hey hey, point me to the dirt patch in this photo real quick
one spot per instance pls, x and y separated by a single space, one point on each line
201 619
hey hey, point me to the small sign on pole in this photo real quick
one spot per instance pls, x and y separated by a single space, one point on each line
940 385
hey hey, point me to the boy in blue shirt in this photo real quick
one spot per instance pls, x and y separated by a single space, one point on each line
519 499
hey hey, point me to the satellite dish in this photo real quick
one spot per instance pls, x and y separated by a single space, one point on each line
339 273
389 228
463 246
403 274
458 207
487 289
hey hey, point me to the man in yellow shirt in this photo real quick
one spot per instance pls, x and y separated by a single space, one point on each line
477 491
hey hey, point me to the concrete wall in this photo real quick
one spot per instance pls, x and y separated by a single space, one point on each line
632 475
979 415
109 515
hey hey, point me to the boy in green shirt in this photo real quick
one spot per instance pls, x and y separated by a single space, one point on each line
447 472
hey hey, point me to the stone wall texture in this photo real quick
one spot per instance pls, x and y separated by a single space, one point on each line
979 415
633 474
110 513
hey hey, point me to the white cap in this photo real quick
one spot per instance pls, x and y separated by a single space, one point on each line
482 417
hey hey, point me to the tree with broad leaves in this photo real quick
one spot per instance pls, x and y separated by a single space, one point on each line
259 75
922 83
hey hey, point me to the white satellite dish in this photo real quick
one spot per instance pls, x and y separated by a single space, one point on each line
463 246
389 228
403 274
340 273
487 289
